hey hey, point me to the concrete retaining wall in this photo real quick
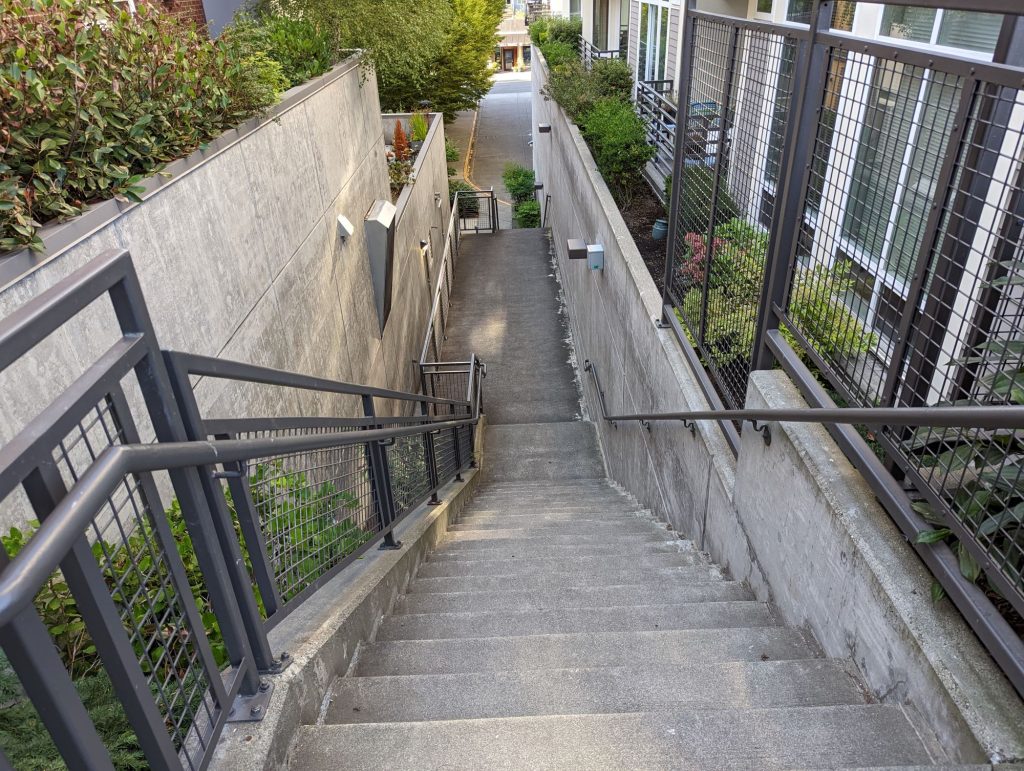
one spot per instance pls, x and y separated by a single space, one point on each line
794 519
239 255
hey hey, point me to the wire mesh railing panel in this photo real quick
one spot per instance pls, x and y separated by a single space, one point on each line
140 564
445 456
739 97
465 437
313 508
410 476
445 385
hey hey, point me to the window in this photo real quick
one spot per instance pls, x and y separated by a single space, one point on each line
764 6
653 48
799 11
968 30
574 9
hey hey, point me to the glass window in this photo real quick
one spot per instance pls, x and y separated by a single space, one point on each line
971 30
879 159
574 8
764 6
908 23
799 11
659 73
780 113
645 18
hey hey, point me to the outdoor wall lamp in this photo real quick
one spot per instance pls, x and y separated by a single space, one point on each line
544 128
437 199
345 228
539 186
592 253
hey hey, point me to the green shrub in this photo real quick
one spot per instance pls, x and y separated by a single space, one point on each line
300 47
539 32
557 54
418 127
469 206
526 214
451 151
618 139
612 77
519 182
695 208
95 99
566 31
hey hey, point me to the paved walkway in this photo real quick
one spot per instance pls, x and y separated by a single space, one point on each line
503 135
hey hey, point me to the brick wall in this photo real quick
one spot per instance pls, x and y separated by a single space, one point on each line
185 9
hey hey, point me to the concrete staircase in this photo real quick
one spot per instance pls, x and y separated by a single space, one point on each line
560 626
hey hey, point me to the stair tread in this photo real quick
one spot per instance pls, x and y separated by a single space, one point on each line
606 577
572 597
696 615
661 647
614 549
786 737
514 534
564 565
638 688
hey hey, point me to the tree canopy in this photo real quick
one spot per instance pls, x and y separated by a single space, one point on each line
422 50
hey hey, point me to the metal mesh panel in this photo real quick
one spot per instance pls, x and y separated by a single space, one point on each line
134 561
444 455
410 477
740 94
314 509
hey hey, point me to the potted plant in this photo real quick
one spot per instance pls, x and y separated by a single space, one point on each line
418 128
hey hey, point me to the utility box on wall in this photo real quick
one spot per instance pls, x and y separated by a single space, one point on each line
380 247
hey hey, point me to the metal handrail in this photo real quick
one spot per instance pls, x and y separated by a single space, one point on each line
981 416
446 255
33 565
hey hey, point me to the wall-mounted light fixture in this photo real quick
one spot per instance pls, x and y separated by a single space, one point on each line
544 128
592 253
437 199
345 228
538 186
577 249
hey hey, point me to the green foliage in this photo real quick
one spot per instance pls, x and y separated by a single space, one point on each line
612 78
95 99
300 47
695 208
469 206
578 89
418 127
451 151
527 214
566 31
519 182
559 54
735 281
618 139
27 744
539 32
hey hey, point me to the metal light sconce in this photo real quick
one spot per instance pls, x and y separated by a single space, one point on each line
544 128
345 228
577 249
592 253
437 199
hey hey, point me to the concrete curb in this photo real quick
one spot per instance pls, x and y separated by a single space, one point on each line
323 635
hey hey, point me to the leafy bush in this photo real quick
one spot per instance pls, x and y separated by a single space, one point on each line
95 99
566 31
400 142
469 206
695 208
612 77
451 151
418 127
302 49
519 182
558 54
527 214
618 139
539 32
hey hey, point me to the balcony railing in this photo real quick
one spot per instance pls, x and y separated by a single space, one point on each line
659 113
853 211
589 53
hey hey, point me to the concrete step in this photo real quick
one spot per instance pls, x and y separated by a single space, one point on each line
569 527
519 538
514 582
550 451
662 649
846 736
553 514
809 683
427 626
574 597
568 565
544 549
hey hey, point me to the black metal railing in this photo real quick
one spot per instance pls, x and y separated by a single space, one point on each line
589 53
853 214
171 540
474 211
658 112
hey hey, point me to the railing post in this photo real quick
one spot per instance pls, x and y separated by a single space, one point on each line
455 445
429 457
809 82
685 76
380 481
230 549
